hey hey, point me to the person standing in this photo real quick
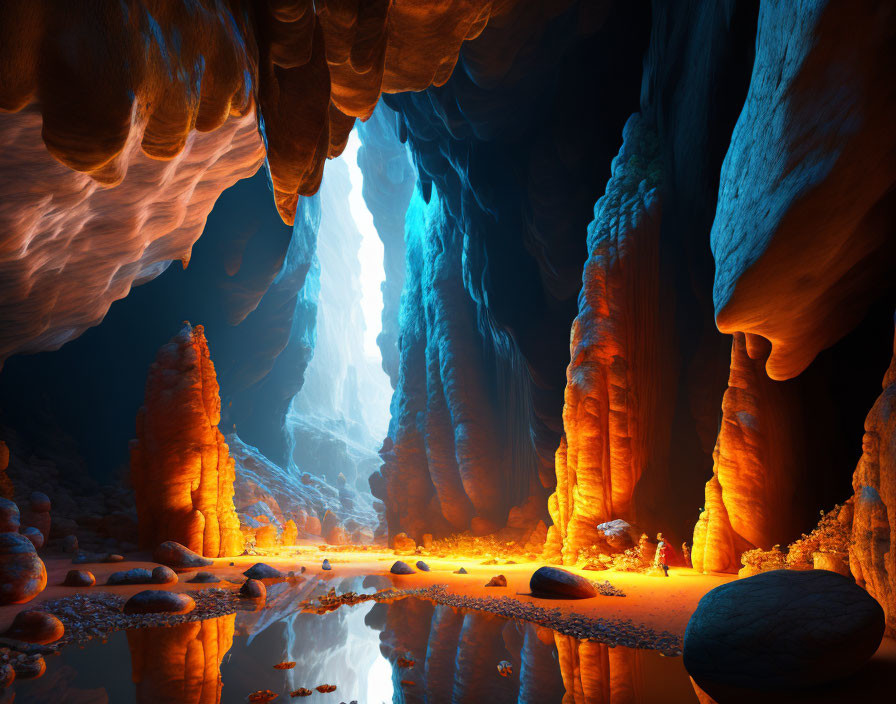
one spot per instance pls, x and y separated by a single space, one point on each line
662 554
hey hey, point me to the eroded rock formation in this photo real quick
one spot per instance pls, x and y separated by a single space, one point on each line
180 663
750 495
72 245
492 271
806 204
872 553
616 373
181 467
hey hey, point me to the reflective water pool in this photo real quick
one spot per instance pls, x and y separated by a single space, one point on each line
410 650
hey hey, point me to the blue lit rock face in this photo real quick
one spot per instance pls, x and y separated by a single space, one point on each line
808 181
509 154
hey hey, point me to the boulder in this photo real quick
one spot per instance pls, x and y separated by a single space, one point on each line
556 583
403 543
783 629
337 535
9 516
325 565
497 581
178 556
617 534
460 571
22 573
290 533
35 536
38 513
262 571
253 589
204 578
137 575
79 578
35 627
30 667
7 675
266 536
400 567
163 575
422 566
153 601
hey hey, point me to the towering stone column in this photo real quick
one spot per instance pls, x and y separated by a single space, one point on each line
754 466
613 392
872 554
181 467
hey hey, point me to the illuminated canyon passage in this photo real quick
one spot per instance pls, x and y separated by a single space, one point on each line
533 351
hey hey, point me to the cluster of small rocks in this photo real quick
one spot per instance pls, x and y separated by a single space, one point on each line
96 615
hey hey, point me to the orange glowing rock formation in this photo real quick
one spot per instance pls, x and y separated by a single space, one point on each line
309 68
752 485
181 467
872 553
611 399
180 663
71 245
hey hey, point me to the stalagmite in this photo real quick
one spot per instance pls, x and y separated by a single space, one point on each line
872 553
753 467
612 393
181 467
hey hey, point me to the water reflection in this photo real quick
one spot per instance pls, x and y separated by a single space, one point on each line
365 650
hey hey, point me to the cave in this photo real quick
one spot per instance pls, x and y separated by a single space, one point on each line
433 350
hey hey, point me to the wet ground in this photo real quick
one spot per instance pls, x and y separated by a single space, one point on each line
453 640
407 650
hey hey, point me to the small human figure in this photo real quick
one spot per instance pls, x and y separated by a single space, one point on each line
686 553
662 553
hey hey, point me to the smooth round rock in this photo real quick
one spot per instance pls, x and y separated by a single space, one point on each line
155 601
22 573
10 520
178 556
35 627
784 629
79 578
204 578
163 575
253 589
401 567
422 566
35 536
70 543
137 575
262 571
325 565
39 502
556 583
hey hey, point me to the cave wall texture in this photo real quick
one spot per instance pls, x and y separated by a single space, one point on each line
718 275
